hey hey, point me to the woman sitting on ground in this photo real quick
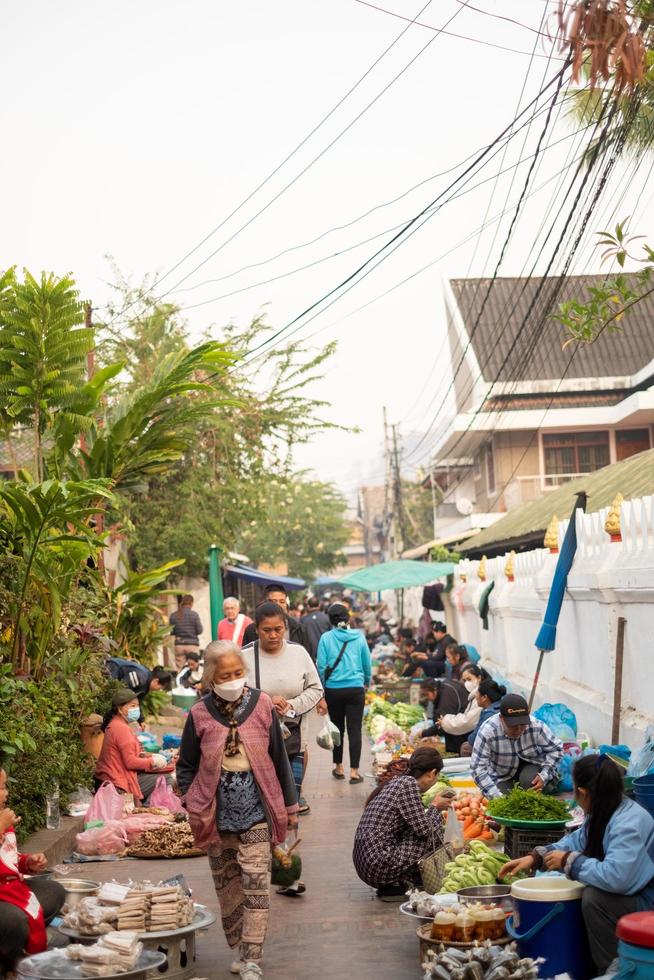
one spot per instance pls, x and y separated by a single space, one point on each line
446 698
396 831
612 853
122 760
489 696
25 906
456 726
240 796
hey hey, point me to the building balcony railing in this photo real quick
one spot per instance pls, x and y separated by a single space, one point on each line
525 488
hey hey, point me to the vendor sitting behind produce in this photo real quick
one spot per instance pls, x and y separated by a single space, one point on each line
489 697
514 747
25 907
122 760
457 724
396 831
612 853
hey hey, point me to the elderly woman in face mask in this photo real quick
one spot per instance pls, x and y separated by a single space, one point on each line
239 794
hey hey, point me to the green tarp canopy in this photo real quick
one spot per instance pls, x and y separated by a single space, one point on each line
396 575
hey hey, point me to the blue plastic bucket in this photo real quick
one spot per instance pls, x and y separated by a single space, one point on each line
547 922
635 962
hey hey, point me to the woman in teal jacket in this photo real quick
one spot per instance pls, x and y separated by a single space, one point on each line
345 670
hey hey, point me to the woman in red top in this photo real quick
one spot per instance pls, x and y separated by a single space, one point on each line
24 906
122 760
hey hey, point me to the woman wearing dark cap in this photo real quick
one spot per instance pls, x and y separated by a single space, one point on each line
344 668
122 760
396 831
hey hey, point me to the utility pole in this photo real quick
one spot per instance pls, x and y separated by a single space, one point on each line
433 495
388 518
398 510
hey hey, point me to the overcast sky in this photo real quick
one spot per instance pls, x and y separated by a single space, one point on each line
134 128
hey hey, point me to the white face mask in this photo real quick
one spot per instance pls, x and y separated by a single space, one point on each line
230 690
471 686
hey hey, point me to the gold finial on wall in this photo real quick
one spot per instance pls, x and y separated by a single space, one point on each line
612 523
551 540
509 567
481 569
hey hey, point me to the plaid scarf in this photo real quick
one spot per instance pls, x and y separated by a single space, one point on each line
232 711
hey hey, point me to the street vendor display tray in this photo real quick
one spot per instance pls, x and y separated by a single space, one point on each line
202 919
424 935
405 909
530 824
54 965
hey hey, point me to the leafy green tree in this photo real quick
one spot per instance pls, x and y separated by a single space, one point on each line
605 306
220 484
43 348
304 527
46 534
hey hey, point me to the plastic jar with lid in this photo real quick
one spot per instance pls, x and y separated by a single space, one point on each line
498 923
464 928
443 926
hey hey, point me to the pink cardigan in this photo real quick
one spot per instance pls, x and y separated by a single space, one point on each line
254 732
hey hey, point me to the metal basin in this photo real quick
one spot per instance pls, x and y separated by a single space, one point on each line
497 894
77 888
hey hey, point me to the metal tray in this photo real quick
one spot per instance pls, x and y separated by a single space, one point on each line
54 965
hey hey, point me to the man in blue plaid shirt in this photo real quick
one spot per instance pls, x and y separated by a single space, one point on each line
514 747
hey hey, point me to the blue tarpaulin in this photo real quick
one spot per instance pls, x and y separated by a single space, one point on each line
264 578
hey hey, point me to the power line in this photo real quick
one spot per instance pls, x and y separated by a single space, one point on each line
315 159
462 37
410 228
286 159
350 248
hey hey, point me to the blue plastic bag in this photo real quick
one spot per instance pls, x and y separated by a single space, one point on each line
474 655
643 760
559 719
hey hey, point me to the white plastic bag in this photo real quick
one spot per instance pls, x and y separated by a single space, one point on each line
329 736
453 831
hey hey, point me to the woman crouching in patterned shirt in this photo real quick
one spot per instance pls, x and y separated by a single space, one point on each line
239 794
396 831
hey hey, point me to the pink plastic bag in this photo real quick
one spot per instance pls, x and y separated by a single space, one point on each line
135 825
110 839
162 795
107 804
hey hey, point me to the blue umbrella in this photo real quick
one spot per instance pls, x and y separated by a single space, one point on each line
546 639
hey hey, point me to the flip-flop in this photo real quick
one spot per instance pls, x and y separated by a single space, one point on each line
338 775
354 780
291 892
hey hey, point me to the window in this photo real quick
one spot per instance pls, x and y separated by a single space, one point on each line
628 442
490 468
569 454
476 466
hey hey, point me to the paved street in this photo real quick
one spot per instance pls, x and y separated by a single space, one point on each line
337 928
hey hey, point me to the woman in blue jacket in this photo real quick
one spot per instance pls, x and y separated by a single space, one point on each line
344 668
612 853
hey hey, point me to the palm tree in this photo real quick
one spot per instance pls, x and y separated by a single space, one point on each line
43 347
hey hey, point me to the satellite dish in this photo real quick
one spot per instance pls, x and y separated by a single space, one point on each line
464 506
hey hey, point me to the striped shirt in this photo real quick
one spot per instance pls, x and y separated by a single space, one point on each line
496 757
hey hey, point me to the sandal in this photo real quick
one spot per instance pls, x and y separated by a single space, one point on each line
338 775
354 780
293 891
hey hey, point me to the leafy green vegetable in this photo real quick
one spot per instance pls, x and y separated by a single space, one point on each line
527 804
